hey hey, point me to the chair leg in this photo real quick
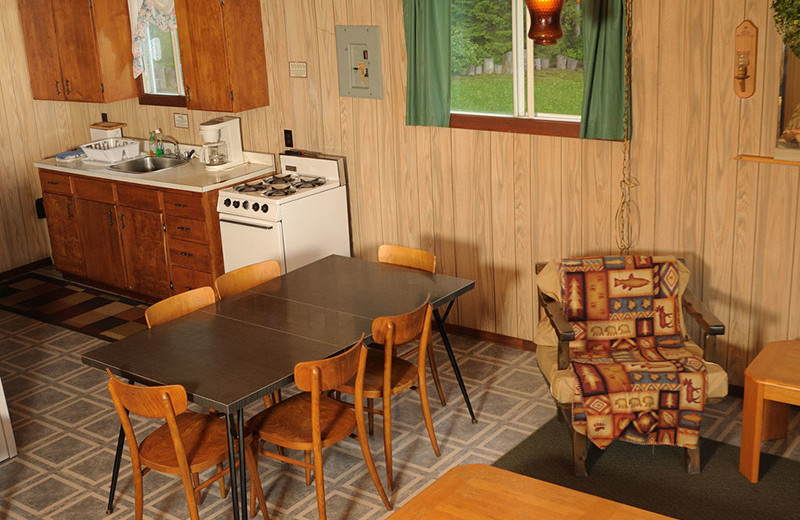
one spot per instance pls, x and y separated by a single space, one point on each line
435 374
222 492
138 493
307 458
320 481
371 416
426 413
692 459
195 484
387 439
579 449
189 491
251 459
373 472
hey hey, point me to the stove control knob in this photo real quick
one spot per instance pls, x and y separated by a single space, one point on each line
255 206
235 203
227 202
245 205
264 208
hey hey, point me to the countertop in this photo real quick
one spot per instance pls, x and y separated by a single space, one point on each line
192 176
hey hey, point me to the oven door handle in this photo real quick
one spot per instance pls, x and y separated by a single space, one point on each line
240 223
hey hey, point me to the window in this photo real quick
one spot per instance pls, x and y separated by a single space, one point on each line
497 70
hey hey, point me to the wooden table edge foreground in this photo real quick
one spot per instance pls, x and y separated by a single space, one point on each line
478 491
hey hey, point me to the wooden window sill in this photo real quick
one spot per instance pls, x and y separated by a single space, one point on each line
762 159
516 125
160 100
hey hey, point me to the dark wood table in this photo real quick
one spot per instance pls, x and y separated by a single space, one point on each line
232 353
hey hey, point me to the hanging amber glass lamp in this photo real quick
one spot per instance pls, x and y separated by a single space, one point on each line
545 21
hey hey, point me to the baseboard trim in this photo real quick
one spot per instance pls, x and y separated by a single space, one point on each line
11 273
500 339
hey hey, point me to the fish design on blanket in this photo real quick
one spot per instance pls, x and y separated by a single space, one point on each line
631 282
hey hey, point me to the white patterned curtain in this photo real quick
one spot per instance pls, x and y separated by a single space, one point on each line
160 13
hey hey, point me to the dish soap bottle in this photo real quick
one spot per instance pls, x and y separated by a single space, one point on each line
157 150
151 147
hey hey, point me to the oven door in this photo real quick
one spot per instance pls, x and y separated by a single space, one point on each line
247 241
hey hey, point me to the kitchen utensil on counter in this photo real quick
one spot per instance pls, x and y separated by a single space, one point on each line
214 154
222 143
111 150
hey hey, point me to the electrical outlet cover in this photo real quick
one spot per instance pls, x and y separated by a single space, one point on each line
358 53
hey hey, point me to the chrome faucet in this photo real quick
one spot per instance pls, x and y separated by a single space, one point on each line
172 141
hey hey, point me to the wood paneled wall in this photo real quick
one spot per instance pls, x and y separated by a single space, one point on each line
490 205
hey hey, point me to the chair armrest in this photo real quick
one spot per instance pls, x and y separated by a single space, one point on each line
710 324
563 329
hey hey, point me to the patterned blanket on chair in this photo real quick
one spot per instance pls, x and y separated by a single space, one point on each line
635 379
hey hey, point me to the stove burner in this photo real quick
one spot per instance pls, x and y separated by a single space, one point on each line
280 192
310 182
250 187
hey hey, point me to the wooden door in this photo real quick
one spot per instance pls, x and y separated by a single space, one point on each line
41 48
144 243
247 62
77 45
65 240
112 27
202 42
102 247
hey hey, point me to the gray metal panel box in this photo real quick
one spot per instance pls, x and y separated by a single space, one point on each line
358 52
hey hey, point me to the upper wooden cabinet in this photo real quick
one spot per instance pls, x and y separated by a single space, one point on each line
78 50
222 54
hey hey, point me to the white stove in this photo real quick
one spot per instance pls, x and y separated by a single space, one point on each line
295 217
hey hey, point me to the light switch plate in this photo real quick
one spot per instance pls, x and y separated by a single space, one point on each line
298 69
358 52
181 120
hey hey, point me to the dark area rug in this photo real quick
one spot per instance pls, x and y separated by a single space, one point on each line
654 478
78 307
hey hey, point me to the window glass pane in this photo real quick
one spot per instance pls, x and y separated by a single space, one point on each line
481 57
162 67
558 69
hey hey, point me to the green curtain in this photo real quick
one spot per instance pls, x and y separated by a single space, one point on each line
603 69
428 47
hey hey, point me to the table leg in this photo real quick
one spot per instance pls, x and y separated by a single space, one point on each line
752 421
115 472
776 420
242 466
456 371
232 466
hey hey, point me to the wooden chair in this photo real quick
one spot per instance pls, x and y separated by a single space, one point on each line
187 444
287 423
424 261
178 305
246 277
387 375
553 353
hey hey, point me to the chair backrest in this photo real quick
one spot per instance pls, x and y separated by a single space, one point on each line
246 277
407 257
330 373
393 331
178 305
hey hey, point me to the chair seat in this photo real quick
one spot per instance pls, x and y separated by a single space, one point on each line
204 438
288 423
562 382
404 375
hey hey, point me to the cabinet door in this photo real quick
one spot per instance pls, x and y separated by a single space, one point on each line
202 42
247 62
65 240
102 248
143 237
41 48
77 50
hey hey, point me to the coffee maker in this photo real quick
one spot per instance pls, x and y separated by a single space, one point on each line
222 143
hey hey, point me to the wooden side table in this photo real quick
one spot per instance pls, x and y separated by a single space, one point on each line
771 385
479 492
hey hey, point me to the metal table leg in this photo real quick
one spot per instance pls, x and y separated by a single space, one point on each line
232 465
115 471
456 371
242 465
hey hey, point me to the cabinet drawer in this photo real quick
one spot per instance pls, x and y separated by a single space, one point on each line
93 189
186 229
55 182
187 279
139 198
190 255
181 205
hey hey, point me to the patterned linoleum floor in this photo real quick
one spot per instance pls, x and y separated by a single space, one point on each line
66 429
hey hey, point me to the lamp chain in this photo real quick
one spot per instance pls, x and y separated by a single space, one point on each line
624 216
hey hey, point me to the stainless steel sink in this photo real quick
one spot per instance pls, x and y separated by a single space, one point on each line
147 164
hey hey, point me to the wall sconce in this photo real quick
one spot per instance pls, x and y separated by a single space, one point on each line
545 21
744 73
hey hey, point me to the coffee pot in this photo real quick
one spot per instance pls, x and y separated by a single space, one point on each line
214 154
222 143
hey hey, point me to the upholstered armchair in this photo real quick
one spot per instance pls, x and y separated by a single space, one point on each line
626 313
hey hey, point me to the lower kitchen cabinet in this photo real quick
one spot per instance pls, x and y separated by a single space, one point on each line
102 248
65 239
144 241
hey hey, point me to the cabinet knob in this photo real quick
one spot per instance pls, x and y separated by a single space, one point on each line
110 219
58 91
66 83
183 228
188 94
69 213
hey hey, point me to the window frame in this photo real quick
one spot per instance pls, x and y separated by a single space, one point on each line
164 100
559 125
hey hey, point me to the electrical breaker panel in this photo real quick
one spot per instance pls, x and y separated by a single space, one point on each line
358 51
